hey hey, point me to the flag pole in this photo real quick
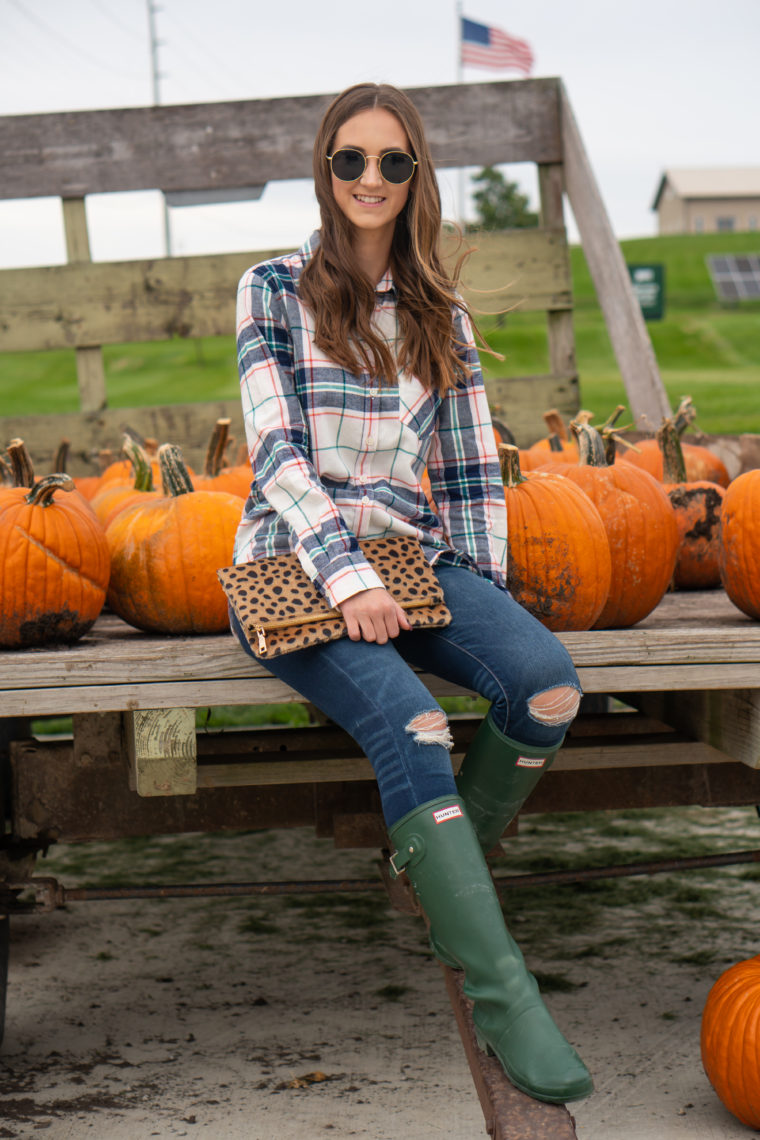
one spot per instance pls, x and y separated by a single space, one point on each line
459 73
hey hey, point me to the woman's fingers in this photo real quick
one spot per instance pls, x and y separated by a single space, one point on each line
373 615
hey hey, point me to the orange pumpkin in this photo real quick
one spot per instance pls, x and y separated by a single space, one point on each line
216 475
556 446
700 462
558 563
165 554
740 542
114 496
730 1040
54 563
697 505
641 530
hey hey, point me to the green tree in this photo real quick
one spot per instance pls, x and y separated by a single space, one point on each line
500 204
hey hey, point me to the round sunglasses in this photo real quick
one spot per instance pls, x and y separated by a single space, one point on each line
395 166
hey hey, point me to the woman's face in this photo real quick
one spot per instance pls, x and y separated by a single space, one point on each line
371 203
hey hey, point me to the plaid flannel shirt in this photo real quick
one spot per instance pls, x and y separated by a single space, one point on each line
338 457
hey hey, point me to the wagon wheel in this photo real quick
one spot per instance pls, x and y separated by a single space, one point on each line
5 929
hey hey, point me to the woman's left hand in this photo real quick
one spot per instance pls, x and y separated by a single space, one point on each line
373 615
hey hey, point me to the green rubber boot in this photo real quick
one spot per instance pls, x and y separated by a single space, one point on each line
438 848
497 776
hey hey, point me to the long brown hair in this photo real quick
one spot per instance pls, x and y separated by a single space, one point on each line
341 296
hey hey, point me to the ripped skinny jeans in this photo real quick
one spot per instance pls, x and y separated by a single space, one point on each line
493 647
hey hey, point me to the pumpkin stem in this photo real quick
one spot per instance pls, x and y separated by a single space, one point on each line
242 455
555 443
673 466
685 414
555 424
41 494
61 457
6 473
509 460
590 445
175 479
21 463
140 462
217 446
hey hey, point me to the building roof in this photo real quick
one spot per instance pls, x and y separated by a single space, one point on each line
711 182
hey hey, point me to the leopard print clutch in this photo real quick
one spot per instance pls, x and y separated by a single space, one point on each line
281 610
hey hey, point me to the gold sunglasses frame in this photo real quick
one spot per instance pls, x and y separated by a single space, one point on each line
379 158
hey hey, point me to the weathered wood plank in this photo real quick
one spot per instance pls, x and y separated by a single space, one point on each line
248 143
521 401
726 720
67 306
700 629
638 754
622 312
187 425
521 270
86 303
90 374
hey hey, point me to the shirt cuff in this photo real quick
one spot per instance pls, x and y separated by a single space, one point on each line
349 581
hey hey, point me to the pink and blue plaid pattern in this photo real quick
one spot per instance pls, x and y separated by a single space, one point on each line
338 457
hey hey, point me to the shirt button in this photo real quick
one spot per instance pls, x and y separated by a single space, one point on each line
374 392
365 500
371 440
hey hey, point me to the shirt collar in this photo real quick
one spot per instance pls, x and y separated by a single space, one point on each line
384 286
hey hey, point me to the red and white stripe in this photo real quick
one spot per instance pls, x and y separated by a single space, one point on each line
503 52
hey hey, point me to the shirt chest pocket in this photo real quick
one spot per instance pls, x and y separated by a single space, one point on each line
418 413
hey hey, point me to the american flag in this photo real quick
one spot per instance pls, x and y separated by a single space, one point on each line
491 47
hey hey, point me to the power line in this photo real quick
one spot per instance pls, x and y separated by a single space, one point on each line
63 41
104 11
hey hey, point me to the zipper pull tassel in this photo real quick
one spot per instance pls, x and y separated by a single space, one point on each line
262 640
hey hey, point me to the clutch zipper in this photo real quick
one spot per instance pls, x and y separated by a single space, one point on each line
262 630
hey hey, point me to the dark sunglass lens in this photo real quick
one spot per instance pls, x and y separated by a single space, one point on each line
396 166
348 165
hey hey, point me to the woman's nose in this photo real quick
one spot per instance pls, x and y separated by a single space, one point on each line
372 176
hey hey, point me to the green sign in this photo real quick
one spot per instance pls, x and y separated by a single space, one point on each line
649 286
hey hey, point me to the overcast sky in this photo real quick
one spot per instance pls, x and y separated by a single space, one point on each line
654 84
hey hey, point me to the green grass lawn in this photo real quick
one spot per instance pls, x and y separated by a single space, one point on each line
704 349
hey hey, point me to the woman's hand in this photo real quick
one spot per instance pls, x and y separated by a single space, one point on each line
373 615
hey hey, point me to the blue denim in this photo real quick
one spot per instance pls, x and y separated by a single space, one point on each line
493 647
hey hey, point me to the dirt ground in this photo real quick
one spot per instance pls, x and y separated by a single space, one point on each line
302 1016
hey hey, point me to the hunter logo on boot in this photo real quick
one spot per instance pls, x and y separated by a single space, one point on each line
444 814
530 761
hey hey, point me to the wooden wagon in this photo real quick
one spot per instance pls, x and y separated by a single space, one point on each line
683 728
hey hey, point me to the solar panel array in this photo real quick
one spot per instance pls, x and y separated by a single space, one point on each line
736 277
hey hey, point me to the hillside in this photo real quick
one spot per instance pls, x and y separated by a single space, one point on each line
704 349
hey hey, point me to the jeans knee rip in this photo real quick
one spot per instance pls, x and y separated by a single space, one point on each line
555 706
431 728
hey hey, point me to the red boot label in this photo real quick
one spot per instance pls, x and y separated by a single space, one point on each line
530 761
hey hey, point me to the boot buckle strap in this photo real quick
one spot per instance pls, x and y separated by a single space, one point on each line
399 860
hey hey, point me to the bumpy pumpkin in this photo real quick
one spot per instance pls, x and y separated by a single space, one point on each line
740 542
697 505
641 530
54 563
558 564
730 1040
165 554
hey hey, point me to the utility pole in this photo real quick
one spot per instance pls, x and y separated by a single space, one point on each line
460 71
156 81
